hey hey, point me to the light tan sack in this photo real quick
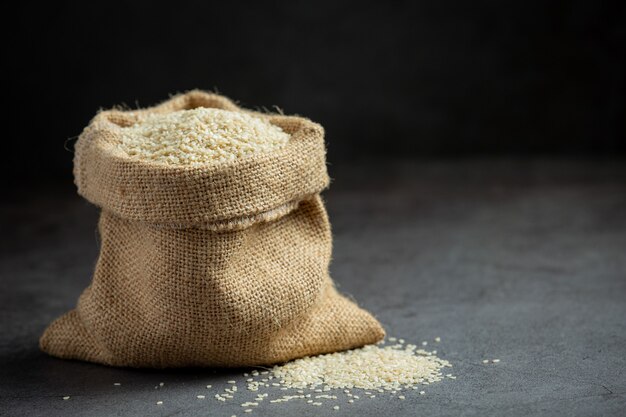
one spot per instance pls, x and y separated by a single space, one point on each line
218 265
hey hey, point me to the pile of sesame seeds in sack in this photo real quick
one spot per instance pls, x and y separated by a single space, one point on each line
216 247
200 136
215 241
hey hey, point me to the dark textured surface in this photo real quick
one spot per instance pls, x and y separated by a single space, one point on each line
524 261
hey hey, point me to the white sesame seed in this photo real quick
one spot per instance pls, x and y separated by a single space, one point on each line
159 402
495 360
200 135
231 382
391 368
485 360
422 392
402 397
249 410
161 384
209 386
424 343
437 339
67 397
336 407
117 384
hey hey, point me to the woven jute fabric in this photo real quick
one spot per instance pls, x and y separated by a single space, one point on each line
218 265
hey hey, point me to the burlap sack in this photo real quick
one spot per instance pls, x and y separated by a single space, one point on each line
223 265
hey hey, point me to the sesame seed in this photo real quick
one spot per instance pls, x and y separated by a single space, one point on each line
159 402
485 360
200 397
67 397
161 384
437 339
117 384
390 368
231 382
249 410
209 386
495 360
336 407
422 392
199 136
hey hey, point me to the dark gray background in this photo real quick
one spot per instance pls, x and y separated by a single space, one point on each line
520 260
478 157
408 78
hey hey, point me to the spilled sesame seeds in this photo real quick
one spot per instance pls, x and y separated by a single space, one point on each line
395 369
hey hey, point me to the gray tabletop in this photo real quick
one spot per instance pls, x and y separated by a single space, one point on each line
519 260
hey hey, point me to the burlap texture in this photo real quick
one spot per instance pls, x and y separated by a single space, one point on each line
223 265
